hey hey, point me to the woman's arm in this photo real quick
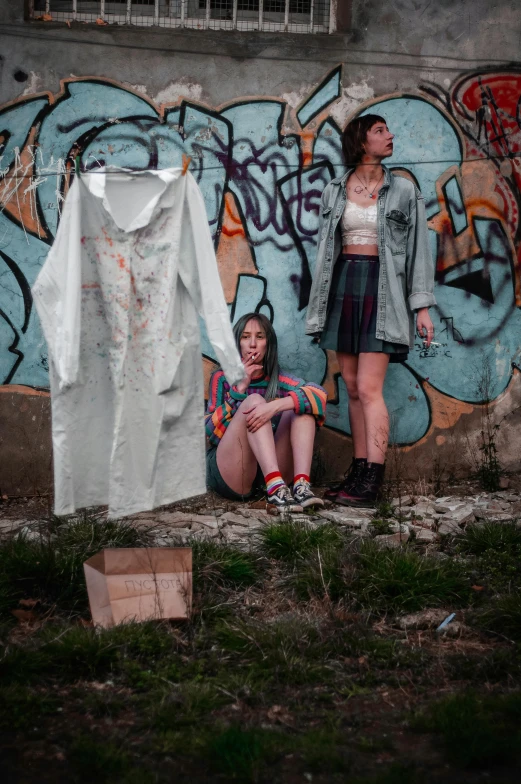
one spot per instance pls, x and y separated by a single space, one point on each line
420 265
223 403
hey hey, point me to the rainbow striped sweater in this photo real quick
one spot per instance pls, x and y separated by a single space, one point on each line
224 401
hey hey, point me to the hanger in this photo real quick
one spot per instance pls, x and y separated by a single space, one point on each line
186 164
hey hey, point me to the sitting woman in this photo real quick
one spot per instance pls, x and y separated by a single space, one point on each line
264 428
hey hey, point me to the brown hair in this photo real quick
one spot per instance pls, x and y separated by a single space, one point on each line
354 136
271 358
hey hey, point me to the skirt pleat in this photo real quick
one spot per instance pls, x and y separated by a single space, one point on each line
353 301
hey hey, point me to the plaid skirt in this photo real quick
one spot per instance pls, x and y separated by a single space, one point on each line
351 313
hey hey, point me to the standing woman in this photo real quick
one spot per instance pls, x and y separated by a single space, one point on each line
374 276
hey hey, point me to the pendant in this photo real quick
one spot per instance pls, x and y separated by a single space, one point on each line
372 196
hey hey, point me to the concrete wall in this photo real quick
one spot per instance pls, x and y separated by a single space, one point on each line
261 114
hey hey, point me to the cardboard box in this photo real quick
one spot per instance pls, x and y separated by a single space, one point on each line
139 584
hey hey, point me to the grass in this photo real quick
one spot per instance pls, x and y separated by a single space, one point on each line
290 664
49 568
476 731
291 541
401 580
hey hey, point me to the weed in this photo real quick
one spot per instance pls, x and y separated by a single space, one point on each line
215 564
381 526
96 760
242 753
479 539
384 510
324 751
290 541
50 568
502 616
23 707
476 731
401 580
187 704
73 652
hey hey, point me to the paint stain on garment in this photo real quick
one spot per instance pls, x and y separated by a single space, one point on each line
107 236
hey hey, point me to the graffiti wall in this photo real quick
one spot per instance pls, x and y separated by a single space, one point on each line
262 164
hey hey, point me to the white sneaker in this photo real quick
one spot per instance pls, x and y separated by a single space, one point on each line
283 500
304 495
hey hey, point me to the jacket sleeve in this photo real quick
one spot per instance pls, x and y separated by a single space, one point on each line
57 293
223 403
311 326
308 398
420 265
200 275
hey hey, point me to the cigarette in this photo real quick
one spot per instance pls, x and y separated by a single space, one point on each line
433 343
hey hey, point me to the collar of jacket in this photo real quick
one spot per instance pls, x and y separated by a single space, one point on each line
341 181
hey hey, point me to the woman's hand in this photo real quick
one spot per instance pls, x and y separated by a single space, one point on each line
424 326
257 414
250 370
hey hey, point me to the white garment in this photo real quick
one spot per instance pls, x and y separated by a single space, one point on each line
119 295
359 224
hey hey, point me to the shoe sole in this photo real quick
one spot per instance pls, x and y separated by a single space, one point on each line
293 508
312 502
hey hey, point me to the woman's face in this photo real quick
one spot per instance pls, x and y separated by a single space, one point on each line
379 141
253 341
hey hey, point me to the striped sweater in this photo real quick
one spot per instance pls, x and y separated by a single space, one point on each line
224 401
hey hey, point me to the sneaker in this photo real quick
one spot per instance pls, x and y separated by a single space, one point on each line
283 500
304 495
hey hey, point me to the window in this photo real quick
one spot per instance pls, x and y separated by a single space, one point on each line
293 16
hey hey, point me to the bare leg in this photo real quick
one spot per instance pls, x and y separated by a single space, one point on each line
294 441
372 368
240 451
349 369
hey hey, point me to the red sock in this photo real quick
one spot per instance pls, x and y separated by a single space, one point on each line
273 481
298 477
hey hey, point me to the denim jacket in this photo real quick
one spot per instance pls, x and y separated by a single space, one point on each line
406 280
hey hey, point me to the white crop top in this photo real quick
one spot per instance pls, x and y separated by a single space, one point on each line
359 224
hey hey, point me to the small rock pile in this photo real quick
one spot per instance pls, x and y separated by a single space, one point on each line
424 518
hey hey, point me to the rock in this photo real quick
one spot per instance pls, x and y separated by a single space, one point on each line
453 521
425 619
399 528
352 520
405 500
422 509
391 540
504 482
448 506
231 518
425 535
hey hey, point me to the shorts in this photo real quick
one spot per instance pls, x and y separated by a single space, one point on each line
215 482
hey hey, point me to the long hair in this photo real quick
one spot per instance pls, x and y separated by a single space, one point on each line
354 136
271 357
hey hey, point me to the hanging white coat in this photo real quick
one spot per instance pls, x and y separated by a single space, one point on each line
130 271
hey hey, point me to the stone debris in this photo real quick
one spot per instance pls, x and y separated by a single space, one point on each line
391 540
425 619
425 535
424 518
354 519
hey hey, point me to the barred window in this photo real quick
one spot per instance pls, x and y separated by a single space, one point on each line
298 16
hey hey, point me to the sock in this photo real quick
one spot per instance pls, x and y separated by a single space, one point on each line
273 482
300 477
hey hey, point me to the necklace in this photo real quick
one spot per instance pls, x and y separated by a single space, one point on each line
372 194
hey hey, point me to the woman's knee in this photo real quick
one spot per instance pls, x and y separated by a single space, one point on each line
253 398
351 383
369 392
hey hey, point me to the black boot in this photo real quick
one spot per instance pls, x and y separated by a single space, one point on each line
351 478
366 492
